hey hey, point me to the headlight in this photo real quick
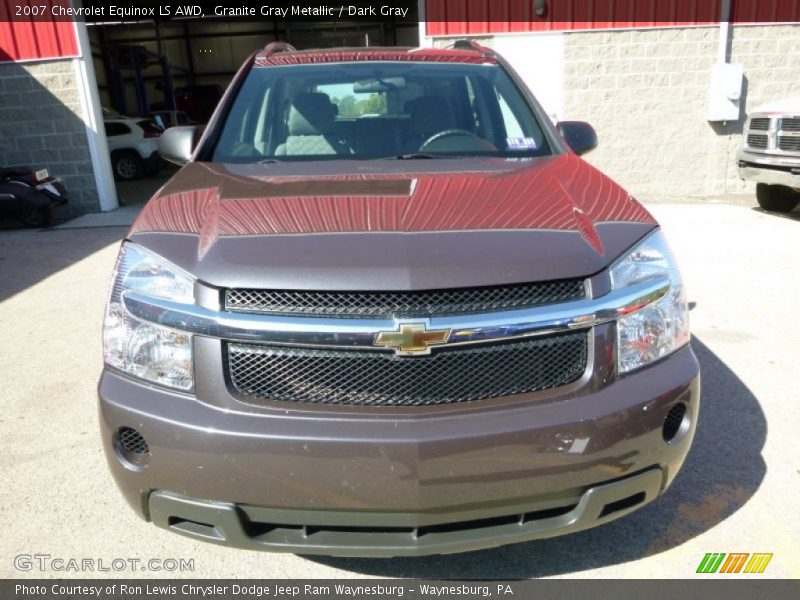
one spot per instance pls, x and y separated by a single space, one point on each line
661 327
141 348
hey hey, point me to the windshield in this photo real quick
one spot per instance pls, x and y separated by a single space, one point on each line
368 110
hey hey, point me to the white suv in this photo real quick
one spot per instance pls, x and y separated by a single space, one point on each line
134 147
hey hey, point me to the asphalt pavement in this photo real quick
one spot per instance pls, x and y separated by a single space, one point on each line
736 493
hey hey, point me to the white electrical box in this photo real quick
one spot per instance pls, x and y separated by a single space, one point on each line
725 92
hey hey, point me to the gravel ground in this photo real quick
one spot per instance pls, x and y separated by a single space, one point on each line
736 493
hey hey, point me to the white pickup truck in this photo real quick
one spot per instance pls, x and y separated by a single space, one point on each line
770 154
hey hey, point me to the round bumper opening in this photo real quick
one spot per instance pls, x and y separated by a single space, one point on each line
676 423
131 447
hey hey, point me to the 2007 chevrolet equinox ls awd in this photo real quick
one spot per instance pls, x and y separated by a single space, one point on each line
386 309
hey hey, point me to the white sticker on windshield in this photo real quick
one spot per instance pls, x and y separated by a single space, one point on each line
524 143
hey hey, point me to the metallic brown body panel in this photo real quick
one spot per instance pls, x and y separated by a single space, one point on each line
391 261
350 225
556 192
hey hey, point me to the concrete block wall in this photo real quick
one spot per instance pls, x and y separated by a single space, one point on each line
646 93
41 125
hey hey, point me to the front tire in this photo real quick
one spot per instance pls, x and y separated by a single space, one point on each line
776 198
127 166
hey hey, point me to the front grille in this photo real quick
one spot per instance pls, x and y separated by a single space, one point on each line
373 378
790 124
755 140
403 304
790 143
759 124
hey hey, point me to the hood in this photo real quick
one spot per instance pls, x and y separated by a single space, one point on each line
376 225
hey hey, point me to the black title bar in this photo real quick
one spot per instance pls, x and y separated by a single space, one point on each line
541 12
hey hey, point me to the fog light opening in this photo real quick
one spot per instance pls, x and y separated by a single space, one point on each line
676 423
132 449
623 504
196 528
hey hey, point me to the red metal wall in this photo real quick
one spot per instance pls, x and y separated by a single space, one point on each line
28 39
460 17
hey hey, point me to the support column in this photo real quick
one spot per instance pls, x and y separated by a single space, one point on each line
93 121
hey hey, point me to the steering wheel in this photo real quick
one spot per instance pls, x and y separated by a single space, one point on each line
450 133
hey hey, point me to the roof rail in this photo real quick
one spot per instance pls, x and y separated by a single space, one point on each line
467 44
275 47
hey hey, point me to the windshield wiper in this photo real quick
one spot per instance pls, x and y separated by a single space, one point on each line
267 161
415 156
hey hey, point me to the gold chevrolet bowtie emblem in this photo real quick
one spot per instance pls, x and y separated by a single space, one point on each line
411 339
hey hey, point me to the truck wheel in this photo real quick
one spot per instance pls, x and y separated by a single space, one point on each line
127 166
776 198
37 217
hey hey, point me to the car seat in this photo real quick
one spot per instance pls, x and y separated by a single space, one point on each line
311 124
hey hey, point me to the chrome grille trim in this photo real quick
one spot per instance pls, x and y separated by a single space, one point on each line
362 333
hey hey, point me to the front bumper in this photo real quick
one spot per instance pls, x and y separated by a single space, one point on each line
389 482
355 533
771 169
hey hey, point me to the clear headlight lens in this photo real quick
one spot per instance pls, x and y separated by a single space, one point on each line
661 327
141 348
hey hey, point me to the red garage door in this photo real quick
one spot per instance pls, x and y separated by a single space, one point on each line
462 17
30 38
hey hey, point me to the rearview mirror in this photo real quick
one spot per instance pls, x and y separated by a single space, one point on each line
177 143
580 136
378 85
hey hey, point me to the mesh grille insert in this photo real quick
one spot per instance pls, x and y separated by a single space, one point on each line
759 123
370 378
403 304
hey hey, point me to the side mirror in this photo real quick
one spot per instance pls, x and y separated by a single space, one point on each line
177 143
580 136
